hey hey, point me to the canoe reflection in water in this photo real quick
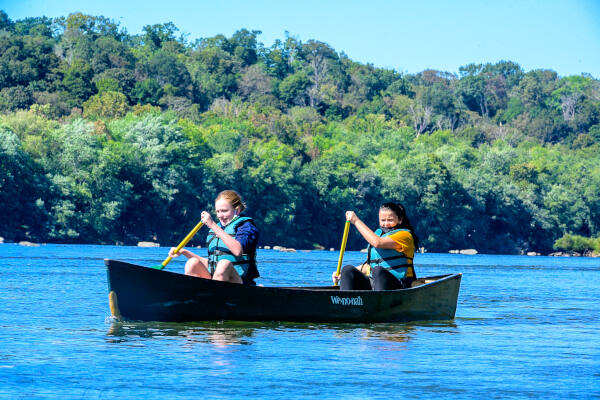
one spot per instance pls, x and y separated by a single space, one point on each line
219 336
232 333
138 293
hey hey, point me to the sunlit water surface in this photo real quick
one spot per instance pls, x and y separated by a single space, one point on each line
525 327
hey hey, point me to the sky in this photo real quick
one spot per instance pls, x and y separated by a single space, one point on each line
407 36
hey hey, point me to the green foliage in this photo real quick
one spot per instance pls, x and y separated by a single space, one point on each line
5 21
33 130
117 80
107 85
222 139
25 59
292 89
78 82
155 36
514 108
594 133
494 158
15 98
166 68
147 91
107 104
581 244
23 189
244 45
34 26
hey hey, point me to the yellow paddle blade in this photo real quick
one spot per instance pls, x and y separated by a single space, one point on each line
114 305
343 247
181 245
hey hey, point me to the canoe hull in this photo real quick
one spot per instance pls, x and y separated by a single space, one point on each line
146 294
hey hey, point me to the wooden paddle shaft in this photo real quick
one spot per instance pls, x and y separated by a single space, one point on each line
183 242
343 246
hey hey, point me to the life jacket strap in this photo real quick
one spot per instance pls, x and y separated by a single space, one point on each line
379 260
221 253
215 254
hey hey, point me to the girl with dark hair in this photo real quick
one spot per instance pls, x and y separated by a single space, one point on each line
390 252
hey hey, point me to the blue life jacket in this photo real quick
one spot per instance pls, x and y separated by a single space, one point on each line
394 261
244 264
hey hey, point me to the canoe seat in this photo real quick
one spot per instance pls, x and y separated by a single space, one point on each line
419 282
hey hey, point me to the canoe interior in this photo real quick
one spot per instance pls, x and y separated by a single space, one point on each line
147 294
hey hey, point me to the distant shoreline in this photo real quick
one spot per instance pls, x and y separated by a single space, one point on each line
589 254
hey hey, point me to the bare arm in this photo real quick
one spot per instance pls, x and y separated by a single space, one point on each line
233 245
368 234
182 252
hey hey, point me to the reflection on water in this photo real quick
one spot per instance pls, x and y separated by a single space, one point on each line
403 332
212 333
228 333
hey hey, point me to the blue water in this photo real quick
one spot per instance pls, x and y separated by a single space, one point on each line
525 327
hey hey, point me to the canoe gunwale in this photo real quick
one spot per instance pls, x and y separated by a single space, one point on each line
431 279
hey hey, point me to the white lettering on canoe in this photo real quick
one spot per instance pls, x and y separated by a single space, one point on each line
347 301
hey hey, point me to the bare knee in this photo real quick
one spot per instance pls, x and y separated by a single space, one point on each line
195 267
226 272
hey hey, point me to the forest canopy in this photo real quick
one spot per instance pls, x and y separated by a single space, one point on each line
108 137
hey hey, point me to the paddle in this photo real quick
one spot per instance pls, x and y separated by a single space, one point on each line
183 243
343 248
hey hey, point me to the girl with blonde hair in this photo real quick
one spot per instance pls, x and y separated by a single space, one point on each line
231 244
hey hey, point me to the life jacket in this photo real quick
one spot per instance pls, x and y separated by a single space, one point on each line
394 261
245 264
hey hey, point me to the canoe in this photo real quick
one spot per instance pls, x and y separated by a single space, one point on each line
138 293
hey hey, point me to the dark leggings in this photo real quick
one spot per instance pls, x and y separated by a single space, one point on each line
352 279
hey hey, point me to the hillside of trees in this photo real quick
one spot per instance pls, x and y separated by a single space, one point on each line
108 137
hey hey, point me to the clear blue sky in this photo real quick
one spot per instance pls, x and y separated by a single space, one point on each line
408 36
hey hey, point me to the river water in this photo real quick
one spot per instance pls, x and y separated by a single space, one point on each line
525 327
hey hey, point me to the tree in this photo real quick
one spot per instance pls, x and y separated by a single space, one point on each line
80 33
255 83
147 91
577 243
363 84
277 59
165 68
155 36
293 89
154 160
5 22
244 45
108 104
472 91
34 26
214 73
15 98
25 59
319 56
23 189
507 158
270 178
510 71
536 87
440 101
78 82
108 53
116 79
484 88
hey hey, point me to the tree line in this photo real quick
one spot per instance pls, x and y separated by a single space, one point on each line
108 137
